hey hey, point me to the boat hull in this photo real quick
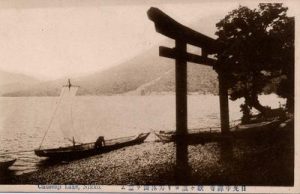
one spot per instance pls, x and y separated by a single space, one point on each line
240 131
89 149
191 138
6 164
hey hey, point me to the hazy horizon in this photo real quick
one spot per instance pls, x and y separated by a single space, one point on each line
59 39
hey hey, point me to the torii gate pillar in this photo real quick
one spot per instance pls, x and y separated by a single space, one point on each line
224 108
181 89
182 171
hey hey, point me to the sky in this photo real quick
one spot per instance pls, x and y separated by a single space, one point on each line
59 38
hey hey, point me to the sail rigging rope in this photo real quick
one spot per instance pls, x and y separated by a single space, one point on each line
72 123
51 120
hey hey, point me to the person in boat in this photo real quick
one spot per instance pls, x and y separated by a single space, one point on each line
100 142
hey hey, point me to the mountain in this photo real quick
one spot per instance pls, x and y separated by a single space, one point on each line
201 80
12 82
144 74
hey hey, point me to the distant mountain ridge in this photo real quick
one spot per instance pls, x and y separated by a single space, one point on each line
144 74
12 82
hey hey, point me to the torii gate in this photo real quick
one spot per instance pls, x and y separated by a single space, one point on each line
183 36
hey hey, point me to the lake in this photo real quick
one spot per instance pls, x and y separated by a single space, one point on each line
24 120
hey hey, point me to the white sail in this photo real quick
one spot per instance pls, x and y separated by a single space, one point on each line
63 115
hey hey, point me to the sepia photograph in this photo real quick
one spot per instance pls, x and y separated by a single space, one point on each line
140 93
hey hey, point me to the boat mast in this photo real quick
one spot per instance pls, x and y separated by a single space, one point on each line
69 84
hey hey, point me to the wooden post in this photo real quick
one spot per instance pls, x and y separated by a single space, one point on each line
181 89
226 153
224 109
181 113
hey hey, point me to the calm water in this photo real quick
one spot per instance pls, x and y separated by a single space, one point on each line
24 120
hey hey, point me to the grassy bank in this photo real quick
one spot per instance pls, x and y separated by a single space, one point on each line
260 161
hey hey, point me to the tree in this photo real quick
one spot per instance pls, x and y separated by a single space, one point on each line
287 84
257 47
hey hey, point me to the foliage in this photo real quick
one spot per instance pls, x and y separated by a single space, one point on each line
257 47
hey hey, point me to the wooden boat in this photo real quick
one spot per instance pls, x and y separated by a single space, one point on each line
64 107
255 129
191 138
165 136
4 165
89 149
240 131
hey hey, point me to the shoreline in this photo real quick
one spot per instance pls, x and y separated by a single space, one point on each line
265 162
128 95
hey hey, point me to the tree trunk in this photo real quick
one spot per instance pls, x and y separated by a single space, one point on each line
253 96
258 106
253 101
290 104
